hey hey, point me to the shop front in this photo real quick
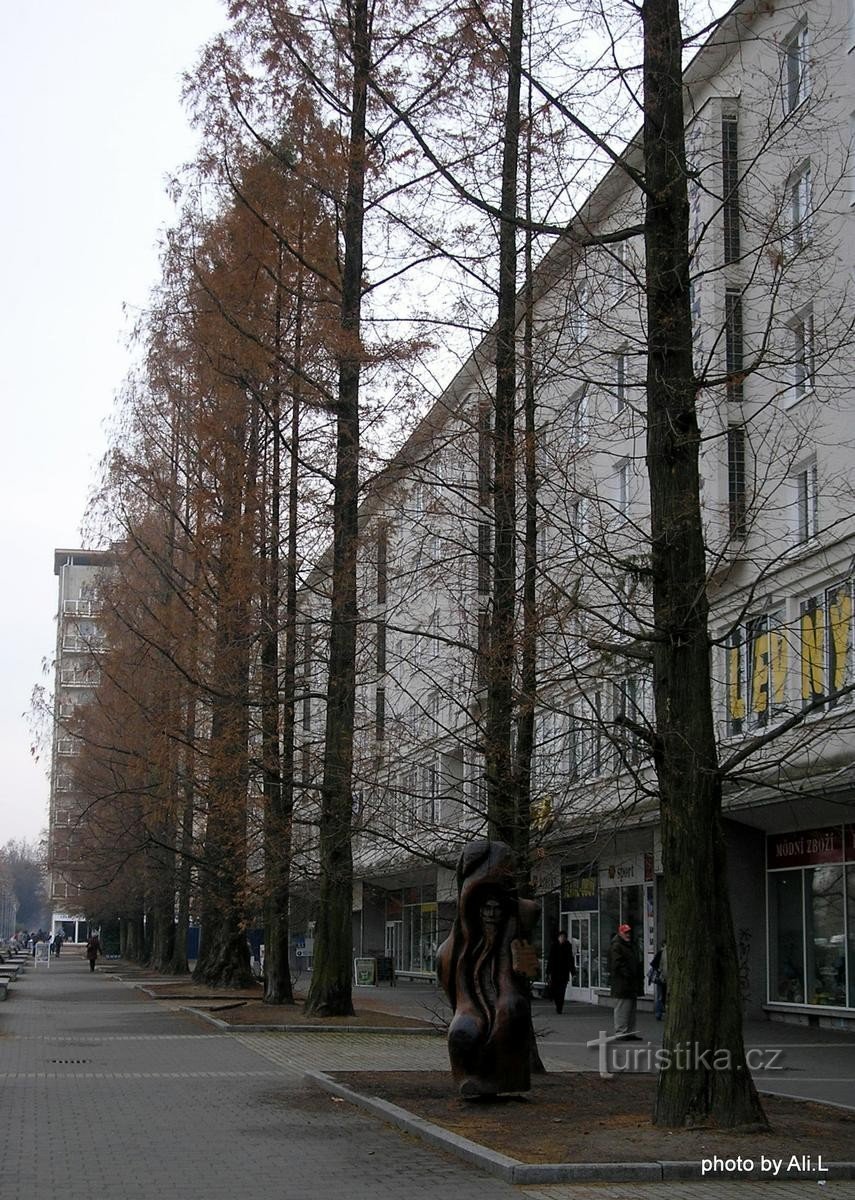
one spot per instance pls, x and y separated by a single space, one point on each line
405 919
579 907
810 888
627 897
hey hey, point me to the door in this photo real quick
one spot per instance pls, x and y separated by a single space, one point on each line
578 926
394 943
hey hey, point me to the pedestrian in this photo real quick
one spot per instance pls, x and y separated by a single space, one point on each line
93 949
658 976
626 978
559 969
59 938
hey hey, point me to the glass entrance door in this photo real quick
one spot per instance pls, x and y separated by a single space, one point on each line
578 926
394 943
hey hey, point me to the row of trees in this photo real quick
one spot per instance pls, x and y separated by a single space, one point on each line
374 186
23 903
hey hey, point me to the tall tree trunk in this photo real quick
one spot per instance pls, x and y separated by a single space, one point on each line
279 761
501 797
330 993
224 953
704 1009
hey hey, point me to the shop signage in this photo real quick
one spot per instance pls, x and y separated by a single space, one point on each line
578 889
365 972
807 848
626 872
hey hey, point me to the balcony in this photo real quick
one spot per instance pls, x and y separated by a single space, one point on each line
79 678
81 608
74 643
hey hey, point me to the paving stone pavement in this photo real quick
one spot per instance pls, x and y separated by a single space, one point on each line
105 1092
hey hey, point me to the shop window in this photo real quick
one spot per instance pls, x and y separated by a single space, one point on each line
609 921
786 938
825 936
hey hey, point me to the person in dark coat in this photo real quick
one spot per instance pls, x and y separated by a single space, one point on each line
93 949
559 968
626 977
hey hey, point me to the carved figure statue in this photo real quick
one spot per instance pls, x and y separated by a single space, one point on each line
483 967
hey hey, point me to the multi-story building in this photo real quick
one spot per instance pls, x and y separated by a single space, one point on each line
770 107
79 642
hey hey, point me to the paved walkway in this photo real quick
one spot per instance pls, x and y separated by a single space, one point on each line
107 1093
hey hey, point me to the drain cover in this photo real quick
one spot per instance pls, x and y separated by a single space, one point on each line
68 1062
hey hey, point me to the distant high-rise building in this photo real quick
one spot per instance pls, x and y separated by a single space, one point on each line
79 641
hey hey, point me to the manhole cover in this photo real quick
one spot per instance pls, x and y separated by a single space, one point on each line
68 1062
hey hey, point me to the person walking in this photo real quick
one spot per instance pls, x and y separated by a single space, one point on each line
626 981
93 949
559 969
59 938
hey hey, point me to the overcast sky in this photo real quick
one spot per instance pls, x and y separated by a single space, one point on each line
91 123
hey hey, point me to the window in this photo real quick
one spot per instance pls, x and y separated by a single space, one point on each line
795 69
620 381
580 520
806 503
382 557
380 714
730 186
736 487
578 315
756 672
825 643
381 647
428 799
734 348
803 355
485 471
800 209
766 663
483 645
484 545
632 702
585 739
622 485
580 405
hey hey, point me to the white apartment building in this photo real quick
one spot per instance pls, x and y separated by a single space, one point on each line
79 642
771 118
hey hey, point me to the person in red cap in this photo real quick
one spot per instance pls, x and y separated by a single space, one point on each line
626 981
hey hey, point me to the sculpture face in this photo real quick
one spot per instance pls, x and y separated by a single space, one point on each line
491 913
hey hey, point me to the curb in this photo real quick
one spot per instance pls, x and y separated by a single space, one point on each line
407 1030
513 1171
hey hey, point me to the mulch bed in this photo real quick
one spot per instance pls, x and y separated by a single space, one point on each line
256 1012
580 1117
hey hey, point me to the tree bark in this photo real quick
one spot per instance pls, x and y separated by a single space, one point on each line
330 993
501 791
704 1009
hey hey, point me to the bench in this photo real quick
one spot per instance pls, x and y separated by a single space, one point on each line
8 971
4 989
